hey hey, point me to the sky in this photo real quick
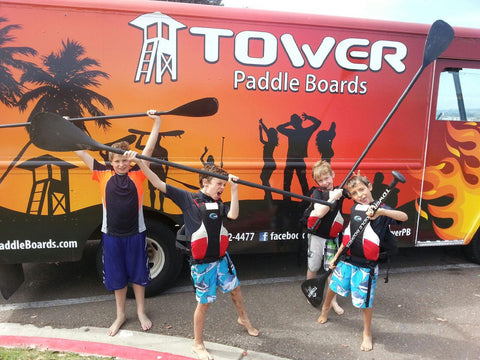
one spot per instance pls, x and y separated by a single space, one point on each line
465 13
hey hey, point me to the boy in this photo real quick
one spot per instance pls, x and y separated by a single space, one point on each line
211 266
324 224
358 272
125 258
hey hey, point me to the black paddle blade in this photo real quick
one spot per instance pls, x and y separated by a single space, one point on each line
439 38
52 132
313 289
197 108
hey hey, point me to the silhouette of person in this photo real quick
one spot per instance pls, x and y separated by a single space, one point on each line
324 141
298 137
210 159
269 164
379 187
161 170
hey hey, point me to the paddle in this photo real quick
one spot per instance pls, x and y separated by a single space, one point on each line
439 38
54 133
197 108
313 289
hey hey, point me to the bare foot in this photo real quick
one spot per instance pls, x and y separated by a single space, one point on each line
367 343
323 318
337 308
145 322
201 352
250 329
115 327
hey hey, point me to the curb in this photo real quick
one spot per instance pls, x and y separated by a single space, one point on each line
128 345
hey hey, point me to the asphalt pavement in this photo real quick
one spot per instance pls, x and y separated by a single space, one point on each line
429 310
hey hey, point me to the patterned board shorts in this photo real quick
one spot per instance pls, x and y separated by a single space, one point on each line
206 277
348 278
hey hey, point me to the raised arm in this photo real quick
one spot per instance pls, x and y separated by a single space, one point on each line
86 158
320 210
234 206
151 176
315 122
153 137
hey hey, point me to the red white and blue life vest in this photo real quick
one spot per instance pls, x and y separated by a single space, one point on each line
210 241
367 243
331 224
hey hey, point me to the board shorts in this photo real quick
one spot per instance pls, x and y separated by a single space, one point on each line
348 278
125 260
206 277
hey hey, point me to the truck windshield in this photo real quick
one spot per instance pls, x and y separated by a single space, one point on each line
459 95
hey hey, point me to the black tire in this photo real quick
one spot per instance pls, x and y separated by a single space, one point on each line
164 260
472 250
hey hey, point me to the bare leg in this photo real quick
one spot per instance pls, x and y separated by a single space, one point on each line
337 308
243 320
198 324
120 300
311 274
145 322
367 343
327 305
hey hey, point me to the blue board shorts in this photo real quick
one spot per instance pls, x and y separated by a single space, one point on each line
348 278
125 260
206 277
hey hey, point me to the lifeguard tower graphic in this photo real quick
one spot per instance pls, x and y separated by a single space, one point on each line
159 50
48 183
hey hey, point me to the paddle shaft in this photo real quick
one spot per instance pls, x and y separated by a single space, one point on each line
396 179
385 122
196 108
207 173
102 117
438 39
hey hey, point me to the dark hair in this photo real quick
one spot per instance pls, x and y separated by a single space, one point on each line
212 168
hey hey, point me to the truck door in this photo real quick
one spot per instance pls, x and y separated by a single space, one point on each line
449 201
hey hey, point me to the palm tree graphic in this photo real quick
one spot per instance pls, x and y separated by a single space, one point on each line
63 87
10 88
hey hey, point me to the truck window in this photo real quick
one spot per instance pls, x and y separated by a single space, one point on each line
459 95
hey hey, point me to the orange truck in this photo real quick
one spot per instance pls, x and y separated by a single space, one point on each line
292 89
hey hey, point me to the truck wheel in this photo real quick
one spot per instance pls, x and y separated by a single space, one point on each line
164 260
472 250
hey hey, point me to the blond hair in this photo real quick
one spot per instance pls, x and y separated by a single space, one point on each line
122 145
321 168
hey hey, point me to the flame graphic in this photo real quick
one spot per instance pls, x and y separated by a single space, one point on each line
456 177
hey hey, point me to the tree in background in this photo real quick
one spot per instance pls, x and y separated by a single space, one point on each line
10 88
63 85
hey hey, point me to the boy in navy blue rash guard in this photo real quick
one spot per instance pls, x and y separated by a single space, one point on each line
125 258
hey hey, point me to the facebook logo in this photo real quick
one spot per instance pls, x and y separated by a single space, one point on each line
263 236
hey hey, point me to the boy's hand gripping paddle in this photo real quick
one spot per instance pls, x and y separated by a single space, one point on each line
313 289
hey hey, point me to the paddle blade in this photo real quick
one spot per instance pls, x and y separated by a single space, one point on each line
52 132
439 38
197 108
313 289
